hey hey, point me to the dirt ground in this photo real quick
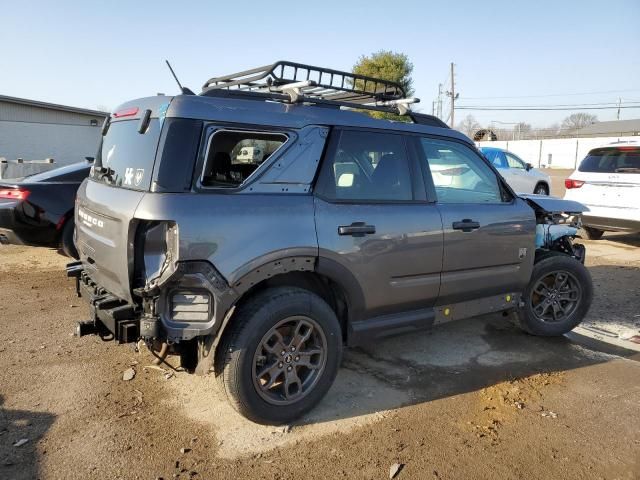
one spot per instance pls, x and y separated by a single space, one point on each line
474 399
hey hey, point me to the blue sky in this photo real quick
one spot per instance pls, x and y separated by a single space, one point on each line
101 53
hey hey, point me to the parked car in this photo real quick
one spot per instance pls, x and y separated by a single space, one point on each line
352 229
522 176
38 210
607 181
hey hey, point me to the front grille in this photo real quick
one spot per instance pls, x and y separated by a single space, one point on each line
191 307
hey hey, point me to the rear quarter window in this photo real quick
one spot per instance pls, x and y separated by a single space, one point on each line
612 160
233 156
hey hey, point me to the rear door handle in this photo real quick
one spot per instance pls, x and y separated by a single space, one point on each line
466 225
356 229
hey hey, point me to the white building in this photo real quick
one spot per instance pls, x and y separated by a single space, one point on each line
34 130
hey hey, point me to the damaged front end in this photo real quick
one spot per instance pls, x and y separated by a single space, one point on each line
557 225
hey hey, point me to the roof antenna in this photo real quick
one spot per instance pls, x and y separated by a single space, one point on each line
184 90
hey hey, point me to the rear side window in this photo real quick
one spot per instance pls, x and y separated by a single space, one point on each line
460 175
367 167
127 156
612 160
234 155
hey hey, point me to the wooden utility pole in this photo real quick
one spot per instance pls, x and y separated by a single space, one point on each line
452 93
453 96
619 103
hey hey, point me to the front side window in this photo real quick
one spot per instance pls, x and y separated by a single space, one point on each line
367 166
514 162
234 155
460 175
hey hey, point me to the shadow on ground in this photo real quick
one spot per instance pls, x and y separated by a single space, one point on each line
454 359
630 239
473 354
448 361
21 461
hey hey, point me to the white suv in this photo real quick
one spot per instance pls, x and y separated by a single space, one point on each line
608 182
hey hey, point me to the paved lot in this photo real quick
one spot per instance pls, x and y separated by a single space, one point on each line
476 399
557 180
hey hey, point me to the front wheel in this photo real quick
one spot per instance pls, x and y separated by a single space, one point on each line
280 356
558 296
541 189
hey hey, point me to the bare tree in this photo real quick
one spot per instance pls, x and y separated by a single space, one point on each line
579 120
469 126
522 130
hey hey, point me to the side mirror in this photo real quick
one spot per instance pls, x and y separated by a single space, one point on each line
528 166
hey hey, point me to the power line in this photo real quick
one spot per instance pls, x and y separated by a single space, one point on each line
556 94
504 109
599 104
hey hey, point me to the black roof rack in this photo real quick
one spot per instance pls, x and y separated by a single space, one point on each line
291 82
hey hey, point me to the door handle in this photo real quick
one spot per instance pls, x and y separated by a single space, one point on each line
466 225
356 229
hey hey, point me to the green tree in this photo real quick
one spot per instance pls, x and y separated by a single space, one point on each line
391 66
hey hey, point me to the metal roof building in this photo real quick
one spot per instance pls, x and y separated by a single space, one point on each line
34 130
611 129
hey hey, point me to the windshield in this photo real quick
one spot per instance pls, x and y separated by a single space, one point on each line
127 156
612 160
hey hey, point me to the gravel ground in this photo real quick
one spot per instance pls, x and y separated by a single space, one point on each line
473 399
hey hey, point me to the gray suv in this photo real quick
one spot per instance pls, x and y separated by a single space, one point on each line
257 228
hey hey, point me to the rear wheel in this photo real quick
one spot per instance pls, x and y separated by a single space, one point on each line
558 296
280 356
66 240
541 189
593 233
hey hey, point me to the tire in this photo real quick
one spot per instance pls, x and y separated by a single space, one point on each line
67 245
261 339
593 233
565 284
541 189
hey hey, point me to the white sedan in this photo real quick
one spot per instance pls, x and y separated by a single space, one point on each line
521 176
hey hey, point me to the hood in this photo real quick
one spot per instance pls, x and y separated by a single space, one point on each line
553 205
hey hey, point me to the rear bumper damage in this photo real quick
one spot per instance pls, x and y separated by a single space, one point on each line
190 303
111 317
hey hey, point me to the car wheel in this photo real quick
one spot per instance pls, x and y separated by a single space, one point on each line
541 189
558 296
66 240
280 356
593 233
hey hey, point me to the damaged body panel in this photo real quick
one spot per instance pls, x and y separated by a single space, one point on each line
557 224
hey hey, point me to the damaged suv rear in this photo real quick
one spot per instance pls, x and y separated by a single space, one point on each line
258 227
